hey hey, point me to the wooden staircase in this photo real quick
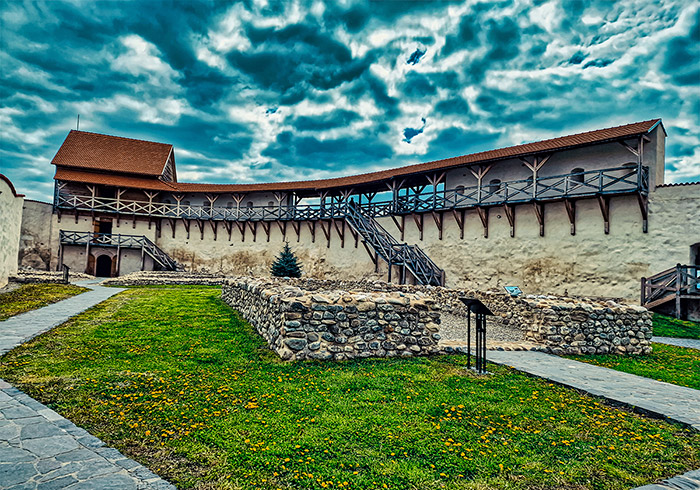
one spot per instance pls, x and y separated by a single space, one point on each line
678 283
410 258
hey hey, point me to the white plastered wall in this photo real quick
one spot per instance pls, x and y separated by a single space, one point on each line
10 223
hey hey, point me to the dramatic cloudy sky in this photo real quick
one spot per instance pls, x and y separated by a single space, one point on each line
263 91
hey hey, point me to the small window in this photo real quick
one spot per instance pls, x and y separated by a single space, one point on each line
187 203
250 204
577 175
495 185
630 164
459 189
270 204
229 204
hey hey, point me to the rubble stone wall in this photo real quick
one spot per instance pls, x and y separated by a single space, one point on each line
310 318
336 324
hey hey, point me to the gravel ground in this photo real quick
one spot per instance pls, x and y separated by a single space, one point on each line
454 328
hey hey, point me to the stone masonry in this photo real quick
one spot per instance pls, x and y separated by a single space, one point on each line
336 324
309 318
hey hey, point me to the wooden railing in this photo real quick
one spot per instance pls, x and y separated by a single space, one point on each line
118 240
611 181
680 282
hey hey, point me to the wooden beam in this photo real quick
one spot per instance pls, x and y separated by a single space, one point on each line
539 212
159 224
459 219
340 230
509 209
187 224
282 225
229 228
373 256
253 225
312 230
241 228
355 235
200 225
418 218
327 232
297 228
644 208
438 217
604 203
571 213
173 224
266 226
214 227
631 149
401 225
484 217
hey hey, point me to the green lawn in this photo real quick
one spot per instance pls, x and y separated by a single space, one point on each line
666 326
668 363
32 296
176 380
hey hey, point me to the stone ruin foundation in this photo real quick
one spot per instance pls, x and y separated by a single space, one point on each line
315 319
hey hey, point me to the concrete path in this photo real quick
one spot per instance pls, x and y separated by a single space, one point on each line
20 328
665 400
689 343
686 481
39 449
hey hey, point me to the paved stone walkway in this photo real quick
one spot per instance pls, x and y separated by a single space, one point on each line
686 481
19 329
41 450
689 343
646 395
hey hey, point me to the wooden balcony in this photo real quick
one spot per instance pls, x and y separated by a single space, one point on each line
569 187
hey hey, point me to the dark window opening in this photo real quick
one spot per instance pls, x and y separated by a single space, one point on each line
577 175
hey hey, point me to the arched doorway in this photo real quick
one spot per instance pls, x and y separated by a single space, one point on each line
103 266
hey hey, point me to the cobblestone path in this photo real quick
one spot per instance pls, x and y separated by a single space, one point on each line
689 343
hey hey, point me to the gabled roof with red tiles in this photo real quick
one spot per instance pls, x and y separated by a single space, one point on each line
377 179
101 152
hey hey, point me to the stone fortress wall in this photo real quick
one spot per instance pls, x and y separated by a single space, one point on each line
10 220
311 319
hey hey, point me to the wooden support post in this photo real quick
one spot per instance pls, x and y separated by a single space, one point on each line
241 228
76 216
143 257
539 212
282 225
173 223
312 230
644 208
186 224
373 256
159 226
510 214
133 222
484 216
200 225
459 219
418 218
266 226
438 217
355 235
571 213
327 232
253 225
679 279
400 225
604 203
229 228
340 230
119 256
214 227
297 229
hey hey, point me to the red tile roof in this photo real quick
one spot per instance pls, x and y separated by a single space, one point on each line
132 181
678 184
377 178
94 151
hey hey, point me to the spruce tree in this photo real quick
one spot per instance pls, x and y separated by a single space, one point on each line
286 264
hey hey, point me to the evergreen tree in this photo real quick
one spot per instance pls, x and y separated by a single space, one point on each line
286 264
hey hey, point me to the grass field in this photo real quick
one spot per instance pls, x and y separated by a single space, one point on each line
666 326
175 379
32 296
